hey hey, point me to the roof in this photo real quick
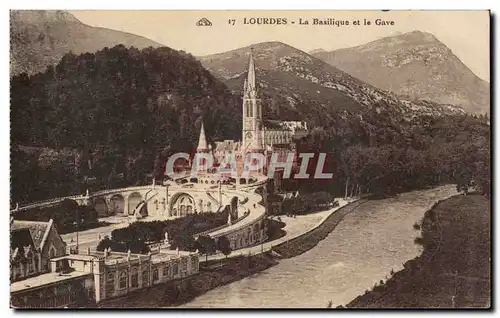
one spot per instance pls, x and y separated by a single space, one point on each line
77 257
38 231
227 145
44 279
293 126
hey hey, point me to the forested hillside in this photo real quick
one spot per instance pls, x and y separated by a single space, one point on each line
115 112
370 152
112 118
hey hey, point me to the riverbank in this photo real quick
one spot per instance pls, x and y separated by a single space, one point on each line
364 246
313 236
212 275
454 267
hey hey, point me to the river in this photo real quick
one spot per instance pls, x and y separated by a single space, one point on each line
362 250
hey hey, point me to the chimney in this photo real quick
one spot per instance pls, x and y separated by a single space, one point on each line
177 250
128 255
106 252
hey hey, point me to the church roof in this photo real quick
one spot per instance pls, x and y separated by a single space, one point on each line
292 126
227 145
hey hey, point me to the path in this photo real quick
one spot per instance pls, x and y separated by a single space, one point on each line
294 227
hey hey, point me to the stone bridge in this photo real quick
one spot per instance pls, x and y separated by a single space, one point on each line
170 200
165 201
173 200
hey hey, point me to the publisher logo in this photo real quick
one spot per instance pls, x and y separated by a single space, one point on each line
204 22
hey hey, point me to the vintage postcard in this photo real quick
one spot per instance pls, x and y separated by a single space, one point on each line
250 159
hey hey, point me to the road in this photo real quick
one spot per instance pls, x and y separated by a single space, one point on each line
294 227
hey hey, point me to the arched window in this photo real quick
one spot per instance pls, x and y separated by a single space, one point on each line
52 252
110 284
145 278
123 280
134 279
155 274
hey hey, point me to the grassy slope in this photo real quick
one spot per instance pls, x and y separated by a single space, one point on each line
456 261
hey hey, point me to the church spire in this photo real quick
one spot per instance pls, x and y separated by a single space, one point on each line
250 81
202 142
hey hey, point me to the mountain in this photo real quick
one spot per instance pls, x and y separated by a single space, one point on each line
415 65
40 38
316 51
297 86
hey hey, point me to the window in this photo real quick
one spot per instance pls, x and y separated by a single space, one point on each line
134 280
123 279
166 271
176 269
145 278
52 252
155 274
110 284
31 268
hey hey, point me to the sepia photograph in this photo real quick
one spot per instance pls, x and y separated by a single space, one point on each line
250 159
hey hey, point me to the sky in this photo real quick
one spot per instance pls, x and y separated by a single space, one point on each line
466 33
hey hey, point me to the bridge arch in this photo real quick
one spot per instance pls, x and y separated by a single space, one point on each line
133 201
117 204
101 207
181 204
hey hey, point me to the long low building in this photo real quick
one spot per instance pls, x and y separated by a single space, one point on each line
77 279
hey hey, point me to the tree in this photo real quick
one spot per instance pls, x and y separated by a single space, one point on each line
206 245
223 245
184 241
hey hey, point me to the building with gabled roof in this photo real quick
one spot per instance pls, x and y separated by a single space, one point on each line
32 245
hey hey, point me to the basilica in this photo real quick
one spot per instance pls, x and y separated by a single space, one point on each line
258 136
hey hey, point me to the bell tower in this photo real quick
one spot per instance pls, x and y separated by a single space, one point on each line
252 112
